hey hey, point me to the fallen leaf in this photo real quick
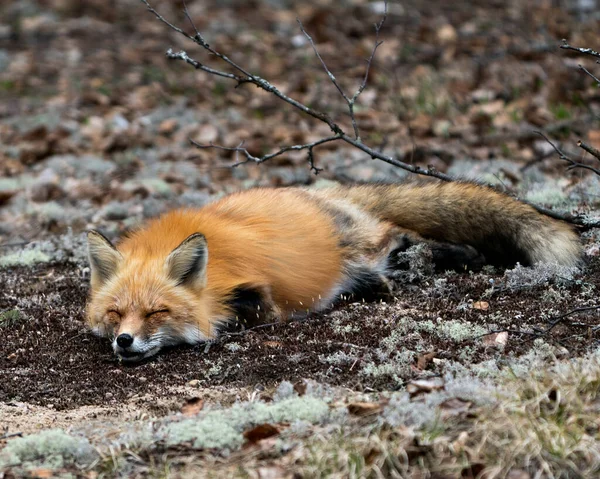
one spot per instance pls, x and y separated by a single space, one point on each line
262 431
207 134
497 340
41 473
273 472
168 126
364 408
192 406
518 474
483 305
454 407
425 360
272 344
300 388
424 386
371 455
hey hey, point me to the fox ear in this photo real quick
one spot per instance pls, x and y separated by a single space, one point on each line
187 263
104 257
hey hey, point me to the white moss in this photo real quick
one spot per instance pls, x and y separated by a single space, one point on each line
548 194
285 390
212 432
157 186
233 347
339 358
222 429
51 449
24 258
395 366
541 274
50 211
458 330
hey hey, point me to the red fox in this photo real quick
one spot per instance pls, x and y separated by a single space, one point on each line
271 252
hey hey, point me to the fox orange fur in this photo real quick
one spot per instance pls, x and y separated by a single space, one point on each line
273 252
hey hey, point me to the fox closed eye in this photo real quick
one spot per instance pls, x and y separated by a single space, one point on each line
156 312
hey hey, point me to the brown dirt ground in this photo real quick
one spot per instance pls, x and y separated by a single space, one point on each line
48 359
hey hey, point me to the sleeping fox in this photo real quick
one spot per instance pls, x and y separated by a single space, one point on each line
273 252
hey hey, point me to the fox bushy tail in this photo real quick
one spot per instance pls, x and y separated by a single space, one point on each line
505 230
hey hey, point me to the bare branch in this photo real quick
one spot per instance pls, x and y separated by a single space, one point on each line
339 134
537 332
199 66
590 149
375 47
374 154
581 67
585 51
350 101
572 163
189 17
329 74
557 320
261 159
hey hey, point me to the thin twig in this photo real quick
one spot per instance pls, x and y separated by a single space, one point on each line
374 154
586 51
581 67
247 77
370 60
537 333
9 435
293 319
199 66
362 86
559 319
572 163
590 149
262 159
329 74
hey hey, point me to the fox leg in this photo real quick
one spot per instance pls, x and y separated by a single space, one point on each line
251 305
444 256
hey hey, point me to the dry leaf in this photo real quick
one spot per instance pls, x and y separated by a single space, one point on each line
262 431
424 386
483 305
425 360
41 473
168 126
518 474
497 340
192 406
272 472
300 388
454 407
364 408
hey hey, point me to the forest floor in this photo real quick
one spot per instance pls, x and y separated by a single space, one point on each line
487 374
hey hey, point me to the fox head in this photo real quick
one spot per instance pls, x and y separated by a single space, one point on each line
144 301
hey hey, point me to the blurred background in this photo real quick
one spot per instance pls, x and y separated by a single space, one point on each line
95 121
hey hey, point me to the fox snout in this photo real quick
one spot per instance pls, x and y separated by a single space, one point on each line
132 347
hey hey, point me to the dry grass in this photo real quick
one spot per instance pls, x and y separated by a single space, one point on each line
546 426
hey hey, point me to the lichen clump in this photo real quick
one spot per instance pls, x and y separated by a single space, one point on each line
223 429
52 449
24 258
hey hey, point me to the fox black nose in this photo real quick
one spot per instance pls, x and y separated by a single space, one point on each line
124 340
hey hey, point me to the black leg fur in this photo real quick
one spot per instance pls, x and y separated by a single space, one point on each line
445 256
